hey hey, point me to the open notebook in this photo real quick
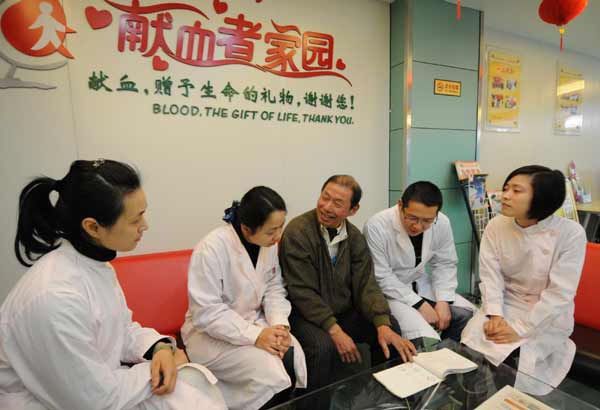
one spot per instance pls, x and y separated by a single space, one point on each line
427 369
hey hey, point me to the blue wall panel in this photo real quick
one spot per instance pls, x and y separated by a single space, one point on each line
441 39
433 152
443 111
396 97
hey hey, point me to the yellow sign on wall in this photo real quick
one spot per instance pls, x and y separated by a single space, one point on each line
569 97
447 87
504 91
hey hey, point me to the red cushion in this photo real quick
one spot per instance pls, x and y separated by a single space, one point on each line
155 287
587 305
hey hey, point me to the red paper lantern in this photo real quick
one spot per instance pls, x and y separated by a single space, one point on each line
560 12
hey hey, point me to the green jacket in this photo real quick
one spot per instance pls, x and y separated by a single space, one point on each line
318 290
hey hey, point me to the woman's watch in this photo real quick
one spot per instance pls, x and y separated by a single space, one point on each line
162 346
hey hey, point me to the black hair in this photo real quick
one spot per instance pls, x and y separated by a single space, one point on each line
91 189
349 182
255 207
548 189
423 192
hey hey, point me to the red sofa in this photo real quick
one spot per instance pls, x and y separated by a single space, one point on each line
587 302
586 335
155 287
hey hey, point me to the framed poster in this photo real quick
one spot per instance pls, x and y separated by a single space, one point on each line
568 118
503 103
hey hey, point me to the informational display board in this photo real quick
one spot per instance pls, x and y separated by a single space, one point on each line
504 91
206 98
568 117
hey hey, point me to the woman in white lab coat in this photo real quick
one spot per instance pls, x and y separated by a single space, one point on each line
65 329
237 322
530 263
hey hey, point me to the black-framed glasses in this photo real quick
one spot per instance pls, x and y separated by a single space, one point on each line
413 220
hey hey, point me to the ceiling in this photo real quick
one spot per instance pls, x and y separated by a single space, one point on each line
520 17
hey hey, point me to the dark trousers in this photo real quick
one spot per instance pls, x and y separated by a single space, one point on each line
321 353
459 318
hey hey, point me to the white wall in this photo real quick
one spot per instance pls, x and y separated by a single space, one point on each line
36 137
193 167
500 153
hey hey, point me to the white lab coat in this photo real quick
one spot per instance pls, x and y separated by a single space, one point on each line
394 259
65 329
230 303
530 276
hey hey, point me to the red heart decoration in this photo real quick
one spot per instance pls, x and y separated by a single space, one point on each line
560 12
98 19
159 64
220 6
340 64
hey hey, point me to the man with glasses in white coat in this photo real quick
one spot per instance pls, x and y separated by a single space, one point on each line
403 240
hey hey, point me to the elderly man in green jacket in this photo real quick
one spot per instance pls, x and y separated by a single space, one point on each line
336 301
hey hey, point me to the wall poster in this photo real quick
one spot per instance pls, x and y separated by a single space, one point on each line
568 118
504 91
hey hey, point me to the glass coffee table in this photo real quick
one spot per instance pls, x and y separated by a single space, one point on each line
457 392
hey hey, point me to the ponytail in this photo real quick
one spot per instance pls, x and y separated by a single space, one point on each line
91 189
231 213
37 230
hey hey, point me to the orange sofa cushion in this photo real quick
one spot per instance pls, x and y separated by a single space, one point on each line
587 300
155 287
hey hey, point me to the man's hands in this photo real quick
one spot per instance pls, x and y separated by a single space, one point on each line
439 316
344 345
386 336
429 314
275 340
497 330
442 309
